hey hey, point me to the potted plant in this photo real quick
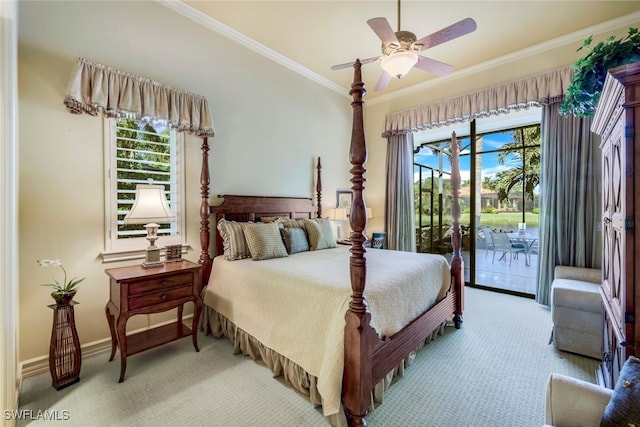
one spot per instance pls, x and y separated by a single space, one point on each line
64 292
590 71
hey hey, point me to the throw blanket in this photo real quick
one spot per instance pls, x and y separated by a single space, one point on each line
296 305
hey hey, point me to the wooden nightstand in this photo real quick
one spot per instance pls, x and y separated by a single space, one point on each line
136 290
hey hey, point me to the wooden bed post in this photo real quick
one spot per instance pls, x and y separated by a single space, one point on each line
457 266
205 257
357 382
319 187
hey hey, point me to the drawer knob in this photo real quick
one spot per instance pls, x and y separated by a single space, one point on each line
163 297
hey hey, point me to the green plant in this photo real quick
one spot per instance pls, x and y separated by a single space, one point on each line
66 286
590 71
489 210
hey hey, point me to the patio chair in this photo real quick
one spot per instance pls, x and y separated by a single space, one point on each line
502 243
488 240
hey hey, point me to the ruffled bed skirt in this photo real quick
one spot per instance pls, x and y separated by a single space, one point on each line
219 326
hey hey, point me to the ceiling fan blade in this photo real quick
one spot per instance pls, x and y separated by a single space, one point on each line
381 27
451 32
383 81
432 66
350 64
341 66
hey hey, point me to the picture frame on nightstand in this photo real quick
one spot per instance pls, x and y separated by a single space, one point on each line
173 253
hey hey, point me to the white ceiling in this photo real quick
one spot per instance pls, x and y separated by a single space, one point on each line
310 36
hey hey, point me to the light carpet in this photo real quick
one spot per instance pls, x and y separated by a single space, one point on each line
492 372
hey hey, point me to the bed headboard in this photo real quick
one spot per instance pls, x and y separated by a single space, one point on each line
253 208
246 208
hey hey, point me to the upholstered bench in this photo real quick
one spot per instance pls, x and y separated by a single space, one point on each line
576 310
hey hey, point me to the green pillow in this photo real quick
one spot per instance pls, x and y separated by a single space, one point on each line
264 241
320 233
624 407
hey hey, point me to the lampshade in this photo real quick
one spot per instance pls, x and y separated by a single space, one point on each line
149 209
339 214
398 64
150 206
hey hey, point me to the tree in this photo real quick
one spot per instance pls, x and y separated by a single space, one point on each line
526 176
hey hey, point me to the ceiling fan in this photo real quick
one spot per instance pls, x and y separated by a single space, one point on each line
400 49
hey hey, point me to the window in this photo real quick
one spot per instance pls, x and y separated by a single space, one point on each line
500 173
138 152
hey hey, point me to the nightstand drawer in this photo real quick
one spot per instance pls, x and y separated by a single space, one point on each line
159 297
153 285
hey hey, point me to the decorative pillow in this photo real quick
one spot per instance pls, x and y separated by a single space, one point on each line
320 233
233 241
624 407
264 241
267 219
293 223
295 239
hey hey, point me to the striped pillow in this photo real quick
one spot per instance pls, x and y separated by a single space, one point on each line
293 223
233 241
320 233
264 241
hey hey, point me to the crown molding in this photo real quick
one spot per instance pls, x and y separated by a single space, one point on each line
236 36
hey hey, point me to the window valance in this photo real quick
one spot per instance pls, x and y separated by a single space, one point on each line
541 89
94 87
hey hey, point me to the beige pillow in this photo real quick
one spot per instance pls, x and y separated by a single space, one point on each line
267 219
264 241
233 241
320 233
293 223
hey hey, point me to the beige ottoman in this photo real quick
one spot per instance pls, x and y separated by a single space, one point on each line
576 310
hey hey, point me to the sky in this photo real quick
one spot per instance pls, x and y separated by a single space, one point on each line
491 127
490 165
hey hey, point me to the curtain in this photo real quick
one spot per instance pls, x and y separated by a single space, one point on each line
515 95
399 203
569 196
94 87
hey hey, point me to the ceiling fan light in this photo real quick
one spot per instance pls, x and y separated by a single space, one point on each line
398 64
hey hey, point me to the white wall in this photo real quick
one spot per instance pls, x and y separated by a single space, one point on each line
270 123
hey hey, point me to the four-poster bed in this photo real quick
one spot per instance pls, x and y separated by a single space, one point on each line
367 356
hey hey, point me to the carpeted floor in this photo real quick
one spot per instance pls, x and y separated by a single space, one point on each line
492 372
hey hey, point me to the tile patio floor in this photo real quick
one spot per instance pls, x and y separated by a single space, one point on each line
519 277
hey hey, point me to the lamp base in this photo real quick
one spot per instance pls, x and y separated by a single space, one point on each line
152 257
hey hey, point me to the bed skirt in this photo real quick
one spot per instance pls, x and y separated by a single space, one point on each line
213 323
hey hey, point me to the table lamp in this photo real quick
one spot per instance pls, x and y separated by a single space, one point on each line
339 215
150 208
369 216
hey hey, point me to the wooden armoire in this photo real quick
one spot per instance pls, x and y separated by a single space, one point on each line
617 121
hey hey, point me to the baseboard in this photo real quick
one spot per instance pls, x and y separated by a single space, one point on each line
40 365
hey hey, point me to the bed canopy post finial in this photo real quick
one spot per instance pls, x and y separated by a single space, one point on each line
319 187
205 257
357 382
456 236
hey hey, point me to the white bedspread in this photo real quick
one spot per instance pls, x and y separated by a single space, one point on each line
296 305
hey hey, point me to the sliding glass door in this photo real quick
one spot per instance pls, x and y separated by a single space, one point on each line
500 173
